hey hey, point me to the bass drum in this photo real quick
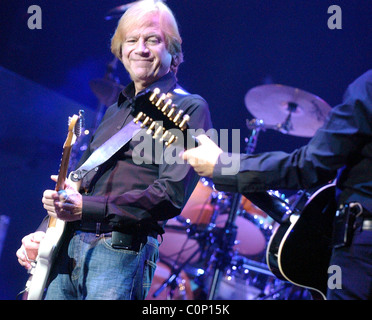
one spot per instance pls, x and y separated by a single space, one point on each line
176 245
182 290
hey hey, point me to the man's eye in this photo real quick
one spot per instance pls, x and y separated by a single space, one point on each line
129 41
153 40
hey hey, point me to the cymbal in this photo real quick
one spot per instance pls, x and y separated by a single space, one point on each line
107 91
290 110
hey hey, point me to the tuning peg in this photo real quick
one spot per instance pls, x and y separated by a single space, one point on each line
160 100
151 127
171 111
164 135
171 140
144 123
165 106
154 94
159 130
139 116
184 121
178 115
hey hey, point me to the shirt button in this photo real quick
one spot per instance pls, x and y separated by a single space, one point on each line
118 127
96 169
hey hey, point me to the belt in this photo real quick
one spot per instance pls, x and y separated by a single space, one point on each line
92 226
104 227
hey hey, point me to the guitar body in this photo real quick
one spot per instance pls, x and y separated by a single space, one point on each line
300 249
47 251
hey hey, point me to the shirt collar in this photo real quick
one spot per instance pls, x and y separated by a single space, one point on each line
165 84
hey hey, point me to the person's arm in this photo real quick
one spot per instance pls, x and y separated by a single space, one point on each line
344 134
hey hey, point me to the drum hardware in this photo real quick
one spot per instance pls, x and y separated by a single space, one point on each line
203 238
226 241
187 230
171 281
276 292
239 262
272 204
179 290
204 235
207 236
286 291
246 279
302 113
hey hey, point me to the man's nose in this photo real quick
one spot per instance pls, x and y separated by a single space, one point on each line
141 46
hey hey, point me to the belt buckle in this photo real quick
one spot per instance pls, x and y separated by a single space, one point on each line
98 229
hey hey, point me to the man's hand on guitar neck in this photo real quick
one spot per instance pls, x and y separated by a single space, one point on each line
66 204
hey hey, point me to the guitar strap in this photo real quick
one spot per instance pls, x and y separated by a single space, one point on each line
115 143
106 150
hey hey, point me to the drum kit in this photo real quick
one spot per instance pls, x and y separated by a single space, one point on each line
216 248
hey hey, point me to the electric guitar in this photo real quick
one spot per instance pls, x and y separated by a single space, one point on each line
49 245
162 119
300 249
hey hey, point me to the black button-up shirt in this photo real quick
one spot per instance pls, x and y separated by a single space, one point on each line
137 184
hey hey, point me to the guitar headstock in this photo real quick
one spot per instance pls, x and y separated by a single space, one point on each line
75 127
162 118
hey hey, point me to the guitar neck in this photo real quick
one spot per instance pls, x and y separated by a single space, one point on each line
63 168
274 206
61 177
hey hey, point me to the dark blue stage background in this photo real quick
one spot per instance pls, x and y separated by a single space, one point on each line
230 47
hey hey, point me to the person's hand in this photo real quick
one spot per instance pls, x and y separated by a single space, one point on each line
65 204
28 251
204 157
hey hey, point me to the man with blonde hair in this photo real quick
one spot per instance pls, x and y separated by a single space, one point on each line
116 212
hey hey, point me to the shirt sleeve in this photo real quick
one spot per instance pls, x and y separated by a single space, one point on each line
337 143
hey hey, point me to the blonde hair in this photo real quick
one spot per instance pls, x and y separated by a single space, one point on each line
135 14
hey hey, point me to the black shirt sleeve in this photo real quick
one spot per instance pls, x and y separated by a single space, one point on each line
342 146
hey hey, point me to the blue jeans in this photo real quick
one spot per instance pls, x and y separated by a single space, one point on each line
88 268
